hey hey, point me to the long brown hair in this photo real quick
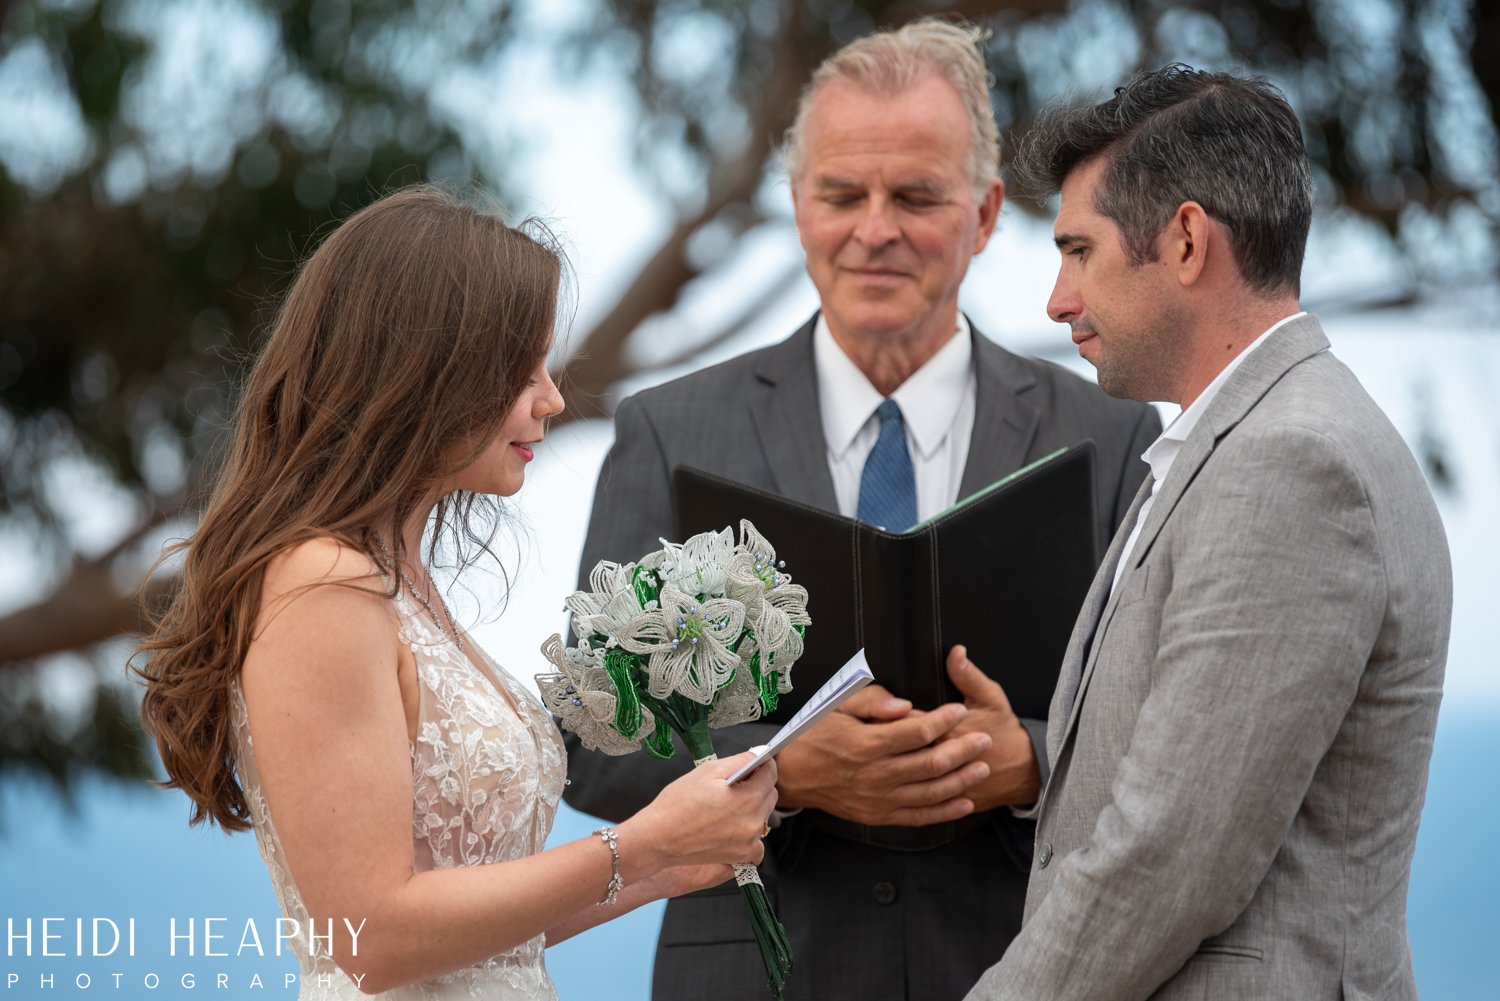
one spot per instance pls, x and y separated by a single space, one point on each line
409 334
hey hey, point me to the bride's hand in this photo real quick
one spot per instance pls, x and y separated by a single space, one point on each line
697 819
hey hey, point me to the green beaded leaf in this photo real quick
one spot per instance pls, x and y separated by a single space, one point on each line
647 585
659 743
619 665
767 683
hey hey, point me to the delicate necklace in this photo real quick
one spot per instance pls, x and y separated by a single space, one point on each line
451 636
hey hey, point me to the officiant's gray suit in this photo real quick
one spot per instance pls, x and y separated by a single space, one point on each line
871 913
1241 732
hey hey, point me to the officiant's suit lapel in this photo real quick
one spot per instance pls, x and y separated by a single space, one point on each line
1002 398
788 423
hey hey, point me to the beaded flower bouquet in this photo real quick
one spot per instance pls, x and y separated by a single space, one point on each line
694 636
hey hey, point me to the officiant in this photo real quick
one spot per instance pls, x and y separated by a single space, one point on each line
900 861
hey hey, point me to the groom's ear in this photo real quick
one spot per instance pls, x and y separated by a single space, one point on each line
1185 245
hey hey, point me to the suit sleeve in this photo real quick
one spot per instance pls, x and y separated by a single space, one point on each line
632 511
1270 596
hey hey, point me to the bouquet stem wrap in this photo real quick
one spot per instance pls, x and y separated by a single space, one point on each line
770 936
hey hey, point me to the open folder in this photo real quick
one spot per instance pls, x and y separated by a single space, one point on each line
1004 572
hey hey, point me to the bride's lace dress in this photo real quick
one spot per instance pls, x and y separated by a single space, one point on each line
487 770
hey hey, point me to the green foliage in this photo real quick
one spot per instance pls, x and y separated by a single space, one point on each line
1396 97
133 292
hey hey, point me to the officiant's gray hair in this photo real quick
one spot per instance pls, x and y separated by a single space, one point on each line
890 62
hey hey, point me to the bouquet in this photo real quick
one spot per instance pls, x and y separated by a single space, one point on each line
695 636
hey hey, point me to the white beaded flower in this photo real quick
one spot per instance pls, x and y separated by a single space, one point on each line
690 650
583 698
738 701
612 615
699 565
773 604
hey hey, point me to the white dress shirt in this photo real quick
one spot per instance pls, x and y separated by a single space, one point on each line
937 407
1163 451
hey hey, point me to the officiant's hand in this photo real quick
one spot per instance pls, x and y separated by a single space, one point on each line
1012 778
875 761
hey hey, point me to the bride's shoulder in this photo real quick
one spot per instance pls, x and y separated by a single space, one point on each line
323 600
324 559
323 570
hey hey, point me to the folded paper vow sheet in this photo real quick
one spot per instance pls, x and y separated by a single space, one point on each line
845 682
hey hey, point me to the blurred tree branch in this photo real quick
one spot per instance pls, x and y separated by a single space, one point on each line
90 605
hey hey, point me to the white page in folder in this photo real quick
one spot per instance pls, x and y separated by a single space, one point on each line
847 680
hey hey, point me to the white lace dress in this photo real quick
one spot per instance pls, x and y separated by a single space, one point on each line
487 771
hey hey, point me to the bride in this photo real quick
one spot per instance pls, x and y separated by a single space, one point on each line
307 680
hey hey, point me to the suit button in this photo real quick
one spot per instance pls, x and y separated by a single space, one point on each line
885 893
1044 855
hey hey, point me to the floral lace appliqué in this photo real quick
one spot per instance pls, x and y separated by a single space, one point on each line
487 773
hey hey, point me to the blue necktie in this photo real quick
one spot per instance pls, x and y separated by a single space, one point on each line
888 485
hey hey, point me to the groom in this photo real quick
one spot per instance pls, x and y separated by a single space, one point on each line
1242 727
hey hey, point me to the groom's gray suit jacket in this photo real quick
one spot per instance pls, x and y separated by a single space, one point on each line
866 920
1241 731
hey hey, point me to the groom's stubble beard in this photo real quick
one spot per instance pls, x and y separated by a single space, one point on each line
1142 358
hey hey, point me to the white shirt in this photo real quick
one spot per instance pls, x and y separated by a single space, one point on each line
937 407
1163 451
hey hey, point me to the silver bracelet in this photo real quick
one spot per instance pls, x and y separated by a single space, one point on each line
616 881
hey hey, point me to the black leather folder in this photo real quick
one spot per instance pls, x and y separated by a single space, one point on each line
1003 572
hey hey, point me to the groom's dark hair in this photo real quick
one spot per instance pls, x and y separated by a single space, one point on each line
1232 144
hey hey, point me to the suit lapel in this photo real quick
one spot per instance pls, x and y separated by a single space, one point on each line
1000 389
789 423
1289 346
1293 344
1081 645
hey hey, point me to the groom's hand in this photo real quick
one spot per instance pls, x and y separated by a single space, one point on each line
1012 778
875 761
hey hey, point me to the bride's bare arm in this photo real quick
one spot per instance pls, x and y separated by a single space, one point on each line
330 736
667 883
